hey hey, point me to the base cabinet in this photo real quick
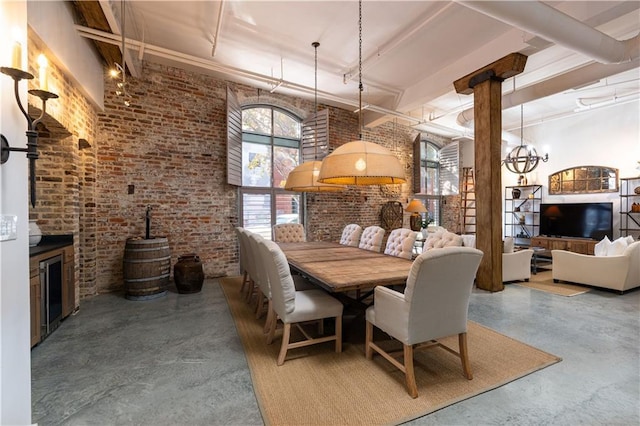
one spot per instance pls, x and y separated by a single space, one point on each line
36 289
575 245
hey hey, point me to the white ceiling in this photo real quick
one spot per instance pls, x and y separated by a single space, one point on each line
412 51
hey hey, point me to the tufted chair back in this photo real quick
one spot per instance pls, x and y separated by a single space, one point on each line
371 238
400 243
442 238
289 233
351 235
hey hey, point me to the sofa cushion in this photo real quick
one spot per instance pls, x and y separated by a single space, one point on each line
616 248
602 247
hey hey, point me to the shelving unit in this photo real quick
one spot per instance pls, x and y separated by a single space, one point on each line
522 212
629 219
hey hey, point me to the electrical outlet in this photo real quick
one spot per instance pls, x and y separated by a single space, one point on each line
8 227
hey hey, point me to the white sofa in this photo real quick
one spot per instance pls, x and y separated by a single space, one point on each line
621 272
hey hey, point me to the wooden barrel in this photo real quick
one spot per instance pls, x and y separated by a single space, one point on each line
146 268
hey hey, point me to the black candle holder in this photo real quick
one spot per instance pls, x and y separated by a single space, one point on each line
32 135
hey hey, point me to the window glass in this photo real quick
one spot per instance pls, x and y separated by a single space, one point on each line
430 181
256 120
269 153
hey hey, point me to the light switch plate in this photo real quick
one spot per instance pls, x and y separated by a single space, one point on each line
8 227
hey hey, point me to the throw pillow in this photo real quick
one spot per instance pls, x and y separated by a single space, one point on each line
508 245
629 239
617 247
602 247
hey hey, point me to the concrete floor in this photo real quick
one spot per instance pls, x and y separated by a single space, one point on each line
178 360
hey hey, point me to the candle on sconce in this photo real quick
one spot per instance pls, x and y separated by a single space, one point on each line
16 56
42 72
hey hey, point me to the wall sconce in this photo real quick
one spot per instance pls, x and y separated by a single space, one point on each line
32 135
83 143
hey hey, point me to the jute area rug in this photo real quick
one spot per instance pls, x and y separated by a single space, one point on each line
543 281
317 386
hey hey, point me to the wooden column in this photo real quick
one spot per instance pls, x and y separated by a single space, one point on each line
486 84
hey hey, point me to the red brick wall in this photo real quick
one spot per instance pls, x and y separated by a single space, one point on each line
169 147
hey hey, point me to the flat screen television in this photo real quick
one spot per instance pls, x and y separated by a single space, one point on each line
577 220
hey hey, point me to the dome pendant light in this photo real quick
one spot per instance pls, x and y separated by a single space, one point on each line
359 162
304 178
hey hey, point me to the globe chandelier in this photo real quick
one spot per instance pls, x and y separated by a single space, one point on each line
523 158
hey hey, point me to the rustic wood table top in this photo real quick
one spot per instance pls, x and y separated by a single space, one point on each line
338 268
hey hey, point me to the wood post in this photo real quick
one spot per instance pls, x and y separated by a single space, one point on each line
486 84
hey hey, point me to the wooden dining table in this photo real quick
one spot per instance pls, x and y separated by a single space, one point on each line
338 268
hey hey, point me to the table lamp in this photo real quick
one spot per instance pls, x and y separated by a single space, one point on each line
415 221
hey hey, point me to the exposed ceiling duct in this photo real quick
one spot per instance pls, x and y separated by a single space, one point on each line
559 28
582 76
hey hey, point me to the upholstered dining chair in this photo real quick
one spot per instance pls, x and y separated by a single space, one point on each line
289 233
400 243
294 307
371 238
351 235
250 265
434 304
262 281
244 259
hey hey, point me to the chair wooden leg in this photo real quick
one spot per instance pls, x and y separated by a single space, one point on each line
245 280
339 334
270 317
259 304
272 329
412 388
464 355
286 333
367 341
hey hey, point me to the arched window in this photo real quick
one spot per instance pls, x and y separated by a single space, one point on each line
270 150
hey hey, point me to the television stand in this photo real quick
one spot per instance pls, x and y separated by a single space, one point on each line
576 245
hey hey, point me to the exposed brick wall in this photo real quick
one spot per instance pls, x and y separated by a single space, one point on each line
65 175
169 148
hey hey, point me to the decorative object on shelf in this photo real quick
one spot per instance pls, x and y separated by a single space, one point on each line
32 135
522 180
304 178
359 162
515 193
416 208
188 274
35 234
636 190
584 180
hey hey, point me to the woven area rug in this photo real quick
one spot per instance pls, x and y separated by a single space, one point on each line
543 281
317 386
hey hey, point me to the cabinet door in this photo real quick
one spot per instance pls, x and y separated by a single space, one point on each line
558 245
36 297
68 283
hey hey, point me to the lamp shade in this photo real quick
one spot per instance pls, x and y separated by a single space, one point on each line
416 206
361 163
304 178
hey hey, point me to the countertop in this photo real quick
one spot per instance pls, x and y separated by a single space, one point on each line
51 242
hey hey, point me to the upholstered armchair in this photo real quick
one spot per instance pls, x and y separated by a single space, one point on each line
371 238
400 243
351 235
619 272
294 307
516 266
434 304
289 233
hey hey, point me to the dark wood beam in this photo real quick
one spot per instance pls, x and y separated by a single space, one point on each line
486 84
90 14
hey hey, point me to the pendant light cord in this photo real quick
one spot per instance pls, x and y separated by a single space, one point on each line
124 73
315 44
360 68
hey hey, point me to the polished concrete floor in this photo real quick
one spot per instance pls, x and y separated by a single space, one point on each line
178 360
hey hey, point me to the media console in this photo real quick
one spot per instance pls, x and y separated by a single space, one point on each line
576 245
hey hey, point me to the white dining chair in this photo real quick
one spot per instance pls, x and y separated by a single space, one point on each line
400 243
371 238
434 304
244 260
294 307
289 233
351 235
250 288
